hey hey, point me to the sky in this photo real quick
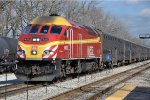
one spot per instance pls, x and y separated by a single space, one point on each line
134 14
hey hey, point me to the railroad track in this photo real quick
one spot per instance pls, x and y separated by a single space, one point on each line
18 88
11 86
96 89
15 89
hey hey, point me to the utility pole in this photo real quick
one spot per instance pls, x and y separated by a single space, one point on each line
144 36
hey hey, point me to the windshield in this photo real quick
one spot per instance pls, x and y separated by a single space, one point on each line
26 30
34 29
44 29
56 30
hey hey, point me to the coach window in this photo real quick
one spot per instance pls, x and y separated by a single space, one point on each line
56 30
34 29
26 30
44 30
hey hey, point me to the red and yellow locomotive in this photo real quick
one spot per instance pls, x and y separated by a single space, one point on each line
51 47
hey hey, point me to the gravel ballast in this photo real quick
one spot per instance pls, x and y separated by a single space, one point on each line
140 80
55 89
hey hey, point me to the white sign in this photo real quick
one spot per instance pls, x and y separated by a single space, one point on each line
90 50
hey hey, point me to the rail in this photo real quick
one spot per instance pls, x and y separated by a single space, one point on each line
15 89
126 75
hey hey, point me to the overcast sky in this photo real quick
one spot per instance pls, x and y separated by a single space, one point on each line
135 14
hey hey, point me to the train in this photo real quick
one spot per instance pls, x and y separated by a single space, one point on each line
52 47
8 51
123 51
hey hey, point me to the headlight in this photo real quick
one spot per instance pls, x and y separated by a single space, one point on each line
36 39
34 52
20 52
48 52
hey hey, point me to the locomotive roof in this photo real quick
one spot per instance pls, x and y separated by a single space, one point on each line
51 20
56 20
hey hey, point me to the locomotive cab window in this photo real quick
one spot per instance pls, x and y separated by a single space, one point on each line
44 30
34 29
56 30
26 30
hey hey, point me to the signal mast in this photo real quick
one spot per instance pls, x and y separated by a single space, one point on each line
144 36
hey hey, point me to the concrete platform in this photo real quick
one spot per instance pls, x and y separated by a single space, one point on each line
130 92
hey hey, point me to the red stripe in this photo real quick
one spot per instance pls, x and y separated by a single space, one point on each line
19 47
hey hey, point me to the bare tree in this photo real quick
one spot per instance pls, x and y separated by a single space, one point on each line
15 15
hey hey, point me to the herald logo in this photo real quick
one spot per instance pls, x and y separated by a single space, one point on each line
34 48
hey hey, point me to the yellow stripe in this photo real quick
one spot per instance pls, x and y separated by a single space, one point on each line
28 47
122 93
62 42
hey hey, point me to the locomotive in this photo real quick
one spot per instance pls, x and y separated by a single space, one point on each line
8 50
52 46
